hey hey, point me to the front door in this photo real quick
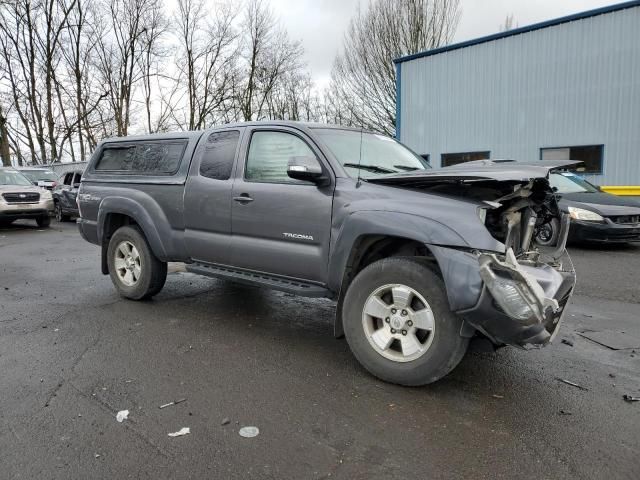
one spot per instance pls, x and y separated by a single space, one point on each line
207 200
280 225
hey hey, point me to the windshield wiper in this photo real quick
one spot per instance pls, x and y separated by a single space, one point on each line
371 168
406 168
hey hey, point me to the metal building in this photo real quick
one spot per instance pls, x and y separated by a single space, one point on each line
564 89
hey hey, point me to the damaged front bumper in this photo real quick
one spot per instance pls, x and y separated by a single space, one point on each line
517 301
521 303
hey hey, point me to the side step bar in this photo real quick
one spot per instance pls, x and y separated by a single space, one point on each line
249 277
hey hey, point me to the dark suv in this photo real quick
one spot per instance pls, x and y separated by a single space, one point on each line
64 196
418 260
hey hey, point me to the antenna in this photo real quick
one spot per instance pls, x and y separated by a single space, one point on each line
359 158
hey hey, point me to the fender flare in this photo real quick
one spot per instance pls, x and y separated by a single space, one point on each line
141 215
386 224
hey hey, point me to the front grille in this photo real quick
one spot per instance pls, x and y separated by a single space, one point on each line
21 197
625 219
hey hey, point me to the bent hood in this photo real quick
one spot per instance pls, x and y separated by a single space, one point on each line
517 172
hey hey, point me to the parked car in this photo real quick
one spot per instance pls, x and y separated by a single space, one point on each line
42 177
596 216
418 260
64 195
20 199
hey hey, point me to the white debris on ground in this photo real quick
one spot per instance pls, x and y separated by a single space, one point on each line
122 415
249 432
181 432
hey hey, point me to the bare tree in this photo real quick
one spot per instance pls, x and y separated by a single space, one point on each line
5 155
206 60
509 23
119 50
267 55
363 87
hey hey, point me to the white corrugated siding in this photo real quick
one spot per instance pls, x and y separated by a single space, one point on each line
572 84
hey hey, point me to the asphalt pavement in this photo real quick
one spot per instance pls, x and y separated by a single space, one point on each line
73 354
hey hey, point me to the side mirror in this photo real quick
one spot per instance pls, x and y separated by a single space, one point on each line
306 168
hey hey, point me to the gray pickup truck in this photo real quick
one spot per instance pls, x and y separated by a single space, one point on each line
418 260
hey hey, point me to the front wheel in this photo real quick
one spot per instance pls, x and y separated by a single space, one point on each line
398 324
60 217
44 221
547 234
134 269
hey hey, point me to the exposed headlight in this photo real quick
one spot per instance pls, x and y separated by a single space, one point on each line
582 214
510 296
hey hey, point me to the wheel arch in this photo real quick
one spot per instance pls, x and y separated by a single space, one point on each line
117 212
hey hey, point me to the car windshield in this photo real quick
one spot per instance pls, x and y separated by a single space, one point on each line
380 155
40 175
12 177
570 183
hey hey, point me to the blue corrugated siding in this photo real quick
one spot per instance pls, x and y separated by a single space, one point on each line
575 83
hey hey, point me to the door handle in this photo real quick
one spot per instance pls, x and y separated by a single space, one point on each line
243 198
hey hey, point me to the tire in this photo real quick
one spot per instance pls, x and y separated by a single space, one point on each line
44 221
547 234
441 347
60 217
151 272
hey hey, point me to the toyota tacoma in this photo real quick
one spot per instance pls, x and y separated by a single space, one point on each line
419 261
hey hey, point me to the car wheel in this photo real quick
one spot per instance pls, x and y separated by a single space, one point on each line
134 269
398 324
44 221
60 217
548 233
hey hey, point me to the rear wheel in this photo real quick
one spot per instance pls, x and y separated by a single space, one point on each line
44 221
398 323
134 269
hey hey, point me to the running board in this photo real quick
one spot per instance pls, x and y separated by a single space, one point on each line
295 286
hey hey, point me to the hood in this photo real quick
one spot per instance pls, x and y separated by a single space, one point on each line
516 172
604 204
19 188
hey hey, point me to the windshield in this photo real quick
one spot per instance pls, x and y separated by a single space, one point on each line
570 183
35 175
380 155
11 177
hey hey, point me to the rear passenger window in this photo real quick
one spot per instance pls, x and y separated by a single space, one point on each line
159 157
219 154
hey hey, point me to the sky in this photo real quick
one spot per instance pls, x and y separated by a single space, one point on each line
320 24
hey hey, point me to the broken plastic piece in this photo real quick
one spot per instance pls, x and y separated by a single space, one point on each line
181 432
249 432
173 403
122 415
572 384
630 398
225 421
567 342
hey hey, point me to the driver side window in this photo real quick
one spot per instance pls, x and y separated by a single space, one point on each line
269 154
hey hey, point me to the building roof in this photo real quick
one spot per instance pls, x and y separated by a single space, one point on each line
521 30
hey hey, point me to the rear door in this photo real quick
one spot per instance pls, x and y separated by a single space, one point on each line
280 225
207 198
